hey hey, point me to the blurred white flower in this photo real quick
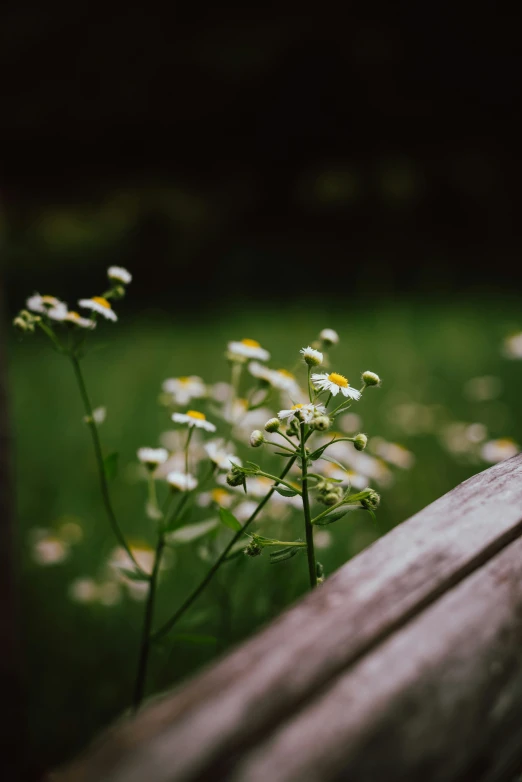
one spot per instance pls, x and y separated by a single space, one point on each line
47 305
181 481
329 336
77 320
83 590
219 455
303 412
393 453
248 348
100 305
513 346
497 450
482 389
119 274
50 551
99 415
322 538
152 457
349 423
183 389
194 418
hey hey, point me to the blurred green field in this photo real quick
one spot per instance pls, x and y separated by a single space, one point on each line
80 660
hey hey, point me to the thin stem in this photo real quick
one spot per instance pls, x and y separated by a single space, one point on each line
189 437
286 438
169 624
310 395
99 459
329 509
310 551
278 445
278 480
141 675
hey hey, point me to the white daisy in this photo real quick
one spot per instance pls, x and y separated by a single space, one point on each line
335 383
181 481
152 456
329 336
497 450
248 348
277 378
83 323
393 453
219 456
513 346
312 357
47 305
100 305
119 274
194 418
183 389
220 496
50 551
142 553
83 590
304 412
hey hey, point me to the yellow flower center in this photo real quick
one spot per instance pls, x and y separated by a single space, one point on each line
73 315
52 300
297 407
339 380
250 343
219 495
196 414
184 380
505 442
102 302
285 373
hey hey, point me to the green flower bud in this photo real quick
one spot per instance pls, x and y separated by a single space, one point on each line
372 500
371 379
118 292
329 337
332 498
272 425
253 549
293 428
257 438
360 442
22 325
235 478
321 423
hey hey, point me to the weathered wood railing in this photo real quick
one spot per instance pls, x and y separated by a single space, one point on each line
405 665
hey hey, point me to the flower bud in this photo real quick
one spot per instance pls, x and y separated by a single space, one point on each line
321 423
312 357
272 425
372 500
235 478
118 292
332 498
329 337
360 442
253 549
293 428
371 379
257 438
21 324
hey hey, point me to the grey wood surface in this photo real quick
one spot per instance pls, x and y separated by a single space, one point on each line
404 665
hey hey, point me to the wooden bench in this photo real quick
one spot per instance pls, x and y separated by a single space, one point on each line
406 664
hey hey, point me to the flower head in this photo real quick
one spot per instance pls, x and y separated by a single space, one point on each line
247 348
497 450
180 481
329 337
312 357
257 438
335 383
100 305
301 412
77 320
219 456
183 389
371 379
194 418
277 378
119 274
47 305
151 457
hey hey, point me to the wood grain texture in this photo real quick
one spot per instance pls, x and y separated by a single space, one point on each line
209 727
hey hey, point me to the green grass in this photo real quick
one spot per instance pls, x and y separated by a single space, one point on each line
80 660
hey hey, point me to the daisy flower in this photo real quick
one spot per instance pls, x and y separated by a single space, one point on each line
47 305
497 450
329 336
219 456
303 412
119 274
100 305
335 383
152 456
312 357
248 348
393 453
50 551
83 323
183 389
277 378
194 418
181 481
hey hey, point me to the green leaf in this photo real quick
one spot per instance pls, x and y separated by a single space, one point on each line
335 515
372 514
229 520
133 575
190 532
194 639
110 465
334 461
284 492
283 554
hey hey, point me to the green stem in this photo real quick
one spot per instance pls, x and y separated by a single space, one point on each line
169 624
278 445
286 438
310 395
141 675
189 437
329 509
278 480
310 551
99 460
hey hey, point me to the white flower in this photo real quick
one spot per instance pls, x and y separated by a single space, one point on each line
83 323
119 274
152 456
183 389
83 590
221 391
513 346
393 453
194 418
142 553
100 305
303 412
313 358
497 450
335 383
329 336
47 305
277 378
98 416
50 551
220 496
349 423
219 456
248 348
181 481
322 538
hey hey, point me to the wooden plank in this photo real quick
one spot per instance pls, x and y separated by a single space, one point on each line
198 728
441 700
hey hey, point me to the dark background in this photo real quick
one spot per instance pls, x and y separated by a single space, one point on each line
277 153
